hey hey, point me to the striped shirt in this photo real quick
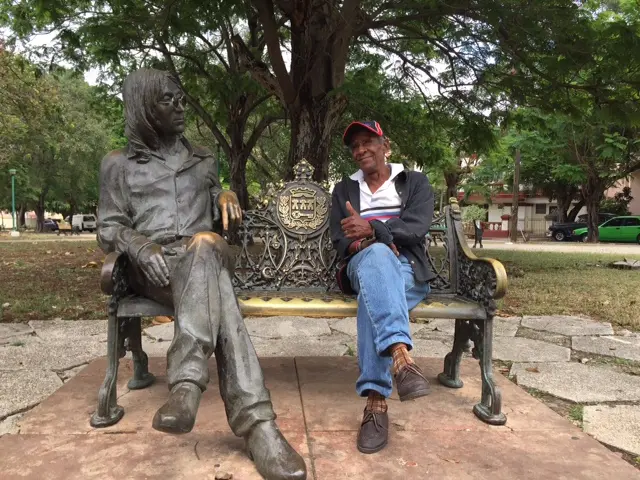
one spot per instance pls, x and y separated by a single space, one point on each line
385 203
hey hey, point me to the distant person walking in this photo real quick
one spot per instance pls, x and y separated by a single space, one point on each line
477 226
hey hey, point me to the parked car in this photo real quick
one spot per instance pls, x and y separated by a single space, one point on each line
84 222
564 231
50 225
618 229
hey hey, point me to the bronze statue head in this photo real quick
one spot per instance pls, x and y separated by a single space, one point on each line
153 109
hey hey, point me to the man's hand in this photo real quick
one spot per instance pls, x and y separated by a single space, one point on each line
230 210
151 261
355 248
355 227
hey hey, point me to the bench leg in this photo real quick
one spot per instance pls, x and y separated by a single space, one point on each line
489 410
109 412
450 377
141 376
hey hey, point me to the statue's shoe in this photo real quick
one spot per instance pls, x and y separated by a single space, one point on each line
178 414
274 458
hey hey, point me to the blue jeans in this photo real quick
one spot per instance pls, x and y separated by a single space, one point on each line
387 290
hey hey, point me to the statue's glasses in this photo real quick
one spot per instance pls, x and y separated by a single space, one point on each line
178 100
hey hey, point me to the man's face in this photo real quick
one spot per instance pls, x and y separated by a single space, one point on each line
368 150
169 110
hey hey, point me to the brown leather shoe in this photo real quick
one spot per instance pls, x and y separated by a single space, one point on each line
374 432
411 383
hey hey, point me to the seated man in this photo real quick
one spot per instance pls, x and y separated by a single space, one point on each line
379 220
160 199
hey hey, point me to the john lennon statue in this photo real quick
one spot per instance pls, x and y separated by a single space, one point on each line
160 202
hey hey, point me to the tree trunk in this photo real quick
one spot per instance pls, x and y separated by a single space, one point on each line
238 183
592 192
22 216
451 179
564 203
312 123
573 213
39 209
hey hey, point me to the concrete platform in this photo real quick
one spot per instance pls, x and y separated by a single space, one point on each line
436 437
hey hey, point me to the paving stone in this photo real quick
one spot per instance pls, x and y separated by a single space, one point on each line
577 382
9 332
567 325
69 330
442 327
348 326
615 425
556 339
613 346
55 355
67 375
162 332
153 348
283 327
430 348
302 346
518 349
23 389
10 425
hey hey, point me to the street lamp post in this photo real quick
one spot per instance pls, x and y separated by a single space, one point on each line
14 231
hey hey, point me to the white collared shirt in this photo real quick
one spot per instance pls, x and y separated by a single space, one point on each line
385 203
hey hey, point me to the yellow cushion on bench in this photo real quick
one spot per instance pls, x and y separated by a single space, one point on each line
337 305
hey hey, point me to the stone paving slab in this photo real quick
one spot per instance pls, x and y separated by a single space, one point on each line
449 455
283 327
67 412
57 355
140 456
567 325
20 390
519 349
443 409
439 327
162 332
11 424
612 346
615 425
349 326
70 330
9 332
535 444
329 345
267 327
577 382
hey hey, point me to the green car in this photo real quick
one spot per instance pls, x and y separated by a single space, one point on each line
618 229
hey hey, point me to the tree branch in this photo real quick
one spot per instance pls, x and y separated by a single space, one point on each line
267 18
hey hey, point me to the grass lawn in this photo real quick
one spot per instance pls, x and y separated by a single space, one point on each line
42 280
542 283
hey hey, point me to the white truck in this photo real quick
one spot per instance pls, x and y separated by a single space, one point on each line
84 222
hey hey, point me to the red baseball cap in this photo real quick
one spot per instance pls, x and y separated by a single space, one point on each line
368 125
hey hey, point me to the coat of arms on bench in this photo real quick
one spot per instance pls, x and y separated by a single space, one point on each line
285 243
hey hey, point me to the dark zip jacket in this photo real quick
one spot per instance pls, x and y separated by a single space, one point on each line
408 231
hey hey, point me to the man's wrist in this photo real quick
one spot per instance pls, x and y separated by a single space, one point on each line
135 247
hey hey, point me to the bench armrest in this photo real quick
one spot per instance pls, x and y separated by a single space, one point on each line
482 280
113 279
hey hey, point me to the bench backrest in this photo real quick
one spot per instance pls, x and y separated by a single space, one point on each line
285 244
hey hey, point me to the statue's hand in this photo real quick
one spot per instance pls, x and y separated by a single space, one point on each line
151 261
230 210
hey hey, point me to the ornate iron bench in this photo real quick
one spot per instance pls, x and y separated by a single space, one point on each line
285 265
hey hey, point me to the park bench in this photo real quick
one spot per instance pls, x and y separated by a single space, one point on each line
285 265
